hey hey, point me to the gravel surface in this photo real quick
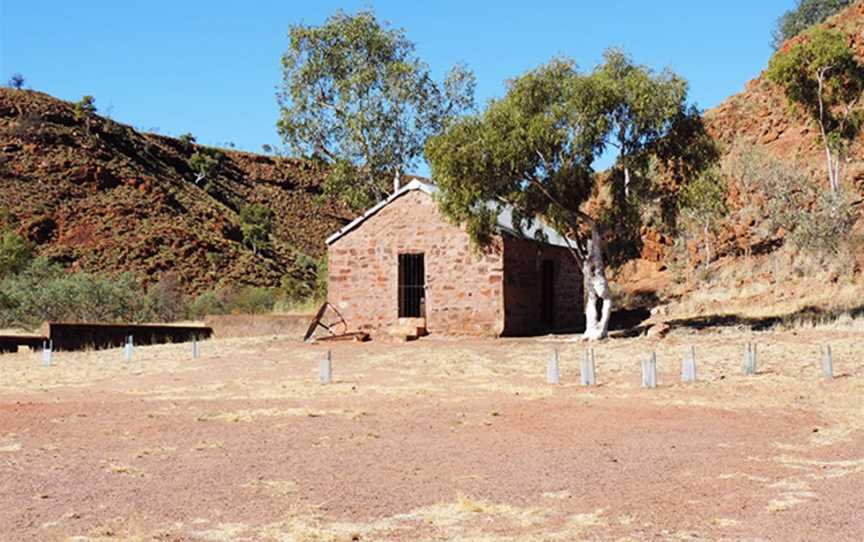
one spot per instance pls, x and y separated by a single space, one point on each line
439 439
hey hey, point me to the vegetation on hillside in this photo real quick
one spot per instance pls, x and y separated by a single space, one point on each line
821 74
805 14
108 199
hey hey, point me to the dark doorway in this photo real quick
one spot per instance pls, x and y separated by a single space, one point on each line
547 293
412 286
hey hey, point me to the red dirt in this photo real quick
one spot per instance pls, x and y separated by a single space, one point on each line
104 197
191 452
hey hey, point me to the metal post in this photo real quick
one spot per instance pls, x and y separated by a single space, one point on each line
688 369
827 362
127 350
326 369
196 352
587 373
649 371
750 359
553 373
47 353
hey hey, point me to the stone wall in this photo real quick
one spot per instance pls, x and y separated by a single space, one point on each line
523 290
464 289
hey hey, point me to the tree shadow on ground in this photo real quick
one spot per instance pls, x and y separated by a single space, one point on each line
629 323
807 315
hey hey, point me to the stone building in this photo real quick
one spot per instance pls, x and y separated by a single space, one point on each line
402 267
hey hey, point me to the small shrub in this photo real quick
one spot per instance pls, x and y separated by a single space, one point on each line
308 282
252 300
85 107
256 223
165 300
215 259
703 204
213 302
15 253
245 300
187 138
205 163
814 219
16 81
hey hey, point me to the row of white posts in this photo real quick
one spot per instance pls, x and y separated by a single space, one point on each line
128 350
588 368
587 372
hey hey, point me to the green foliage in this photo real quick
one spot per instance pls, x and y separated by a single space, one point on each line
85 107
187 138
534 148
16 81
15 253
639 108
212 302
640 112
813 220
246 300
44 291
307 282
355 95
703 204
531 149
205 162
256 223
703 200
822 74
252 300
805 14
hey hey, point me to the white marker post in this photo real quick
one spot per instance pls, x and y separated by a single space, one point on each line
827 362
47 353
588 369
325 370
750 359
553 372
196 352
688 368
128 349
649 371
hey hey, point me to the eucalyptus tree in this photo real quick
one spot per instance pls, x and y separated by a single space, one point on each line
534 148
640 107
822 74
532 151
356 95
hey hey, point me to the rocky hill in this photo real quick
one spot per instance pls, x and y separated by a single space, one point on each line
772 281
100 196
760 115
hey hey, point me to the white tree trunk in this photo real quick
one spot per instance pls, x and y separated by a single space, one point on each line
596 286
833 170
626 182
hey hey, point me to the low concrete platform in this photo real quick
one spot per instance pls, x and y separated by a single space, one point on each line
78 336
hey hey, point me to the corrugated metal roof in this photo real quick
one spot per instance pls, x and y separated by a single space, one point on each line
504 220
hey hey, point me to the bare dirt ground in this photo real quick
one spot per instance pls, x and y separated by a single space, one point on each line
439 439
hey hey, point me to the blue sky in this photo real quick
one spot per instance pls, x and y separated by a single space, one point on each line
212 68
